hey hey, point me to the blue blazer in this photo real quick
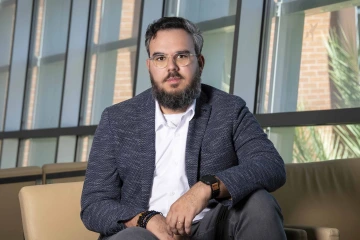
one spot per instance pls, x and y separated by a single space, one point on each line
223 139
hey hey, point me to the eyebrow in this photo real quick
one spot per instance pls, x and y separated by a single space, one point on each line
178 52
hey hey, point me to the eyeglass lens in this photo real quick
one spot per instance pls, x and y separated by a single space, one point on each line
181 60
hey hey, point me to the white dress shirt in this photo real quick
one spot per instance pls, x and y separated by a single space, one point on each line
170 180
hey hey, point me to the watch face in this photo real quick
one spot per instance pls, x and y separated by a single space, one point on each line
208 179
214 184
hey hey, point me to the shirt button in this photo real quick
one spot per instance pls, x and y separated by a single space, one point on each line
172 193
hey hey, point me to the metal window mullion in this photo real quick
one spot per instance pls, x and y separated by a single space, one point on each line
19 61
268 14
49 132
235 45
152 10
247 53
138 46
8 69
75 61
64 78
88 59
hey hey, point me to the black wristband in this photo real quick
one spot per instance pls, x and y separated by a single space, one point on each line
214 184
145 217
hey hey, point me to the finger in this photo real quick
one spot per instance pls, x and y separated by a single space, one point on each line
180 225
187 225
169 220
171 231
168 230
172 223
172 228
168 217
170 237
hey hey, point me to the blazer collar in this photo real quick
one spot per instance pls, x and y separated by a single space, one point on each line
146 134
197 127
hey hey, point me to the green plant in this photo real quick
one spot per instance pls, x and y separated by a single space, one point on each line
339 141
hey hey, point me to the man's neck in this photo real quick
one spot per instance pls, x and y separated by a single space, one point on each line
165 110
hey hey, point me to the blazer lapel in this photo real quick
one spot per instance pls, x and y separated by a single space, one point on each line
197 127
146 134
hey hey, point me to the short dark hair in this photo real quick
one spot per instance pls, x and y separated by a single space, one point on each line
166 23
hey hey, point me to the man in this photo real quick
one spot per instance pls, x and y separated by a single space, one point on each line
181 158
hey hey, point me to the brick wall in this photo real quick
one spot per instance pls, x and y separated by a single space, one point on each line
314 90
314 84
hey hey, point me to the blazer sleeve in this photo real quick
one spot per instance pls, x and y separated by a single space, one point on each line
101 210
259 164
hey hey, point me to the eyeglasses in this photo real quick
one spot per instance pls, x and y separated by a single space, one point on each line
180 59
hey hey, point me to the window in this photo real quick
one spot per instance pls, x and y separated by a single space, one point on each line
316 143
7 17
9 153
66 149
216 19
78 58
312 60
45 74
111 57
36 151
310 80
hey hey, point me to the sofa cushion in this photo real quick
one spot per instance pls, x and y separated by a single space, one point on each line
323 194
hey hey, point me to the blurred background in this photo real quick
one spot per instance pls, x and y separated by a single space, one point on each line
295 62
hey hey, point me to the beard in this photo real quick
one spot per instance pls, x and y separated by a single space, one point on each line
177 100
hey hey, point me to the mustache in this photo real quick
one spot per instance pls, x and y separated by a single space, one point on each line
173 74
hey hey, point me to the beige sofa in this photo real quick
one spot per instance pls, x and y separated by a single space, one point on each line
319 201
324 196
11 181
52 211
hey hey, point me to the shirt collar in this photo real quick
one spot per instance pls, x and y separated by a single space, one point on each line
160 119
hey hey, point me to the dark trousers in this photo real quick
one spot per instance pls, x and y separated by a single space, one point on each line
256 217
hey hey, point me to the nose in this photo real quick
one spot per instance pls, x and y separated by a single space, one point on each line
171 65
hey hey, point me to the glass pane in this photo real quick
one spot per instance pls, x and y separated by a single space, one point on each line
37 151
312 59
66 149
4 76
216 19
83 148
9 153
47 62
200 10
110 65
218 51
7 18
316 143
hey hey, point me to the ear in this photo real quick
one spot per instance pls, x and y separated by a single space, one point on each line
201 61
148 64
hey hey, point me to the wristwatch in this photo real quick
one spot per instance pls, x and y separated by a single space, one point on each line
214 183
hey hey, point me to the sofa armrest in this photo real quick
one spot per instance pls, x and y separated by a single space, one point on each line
318 233
295 234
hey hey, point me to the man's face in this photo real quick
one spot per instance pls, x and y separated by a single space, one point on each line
173 79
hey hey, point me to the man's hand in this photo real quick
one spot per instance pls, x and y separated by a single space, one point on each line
132 222
157 225
184 210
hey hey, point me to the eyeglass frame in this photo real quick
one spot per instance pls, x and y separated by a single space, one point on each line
173 59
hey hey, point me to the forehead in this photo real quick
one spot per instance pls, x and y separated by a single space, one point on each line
171 41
